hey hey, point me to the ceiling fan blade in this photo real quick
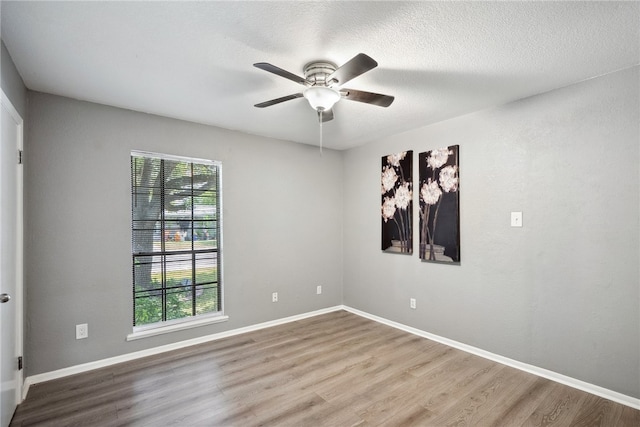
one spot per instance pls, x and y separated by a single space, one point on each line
357 65
325 116
280 72
367 97
278 100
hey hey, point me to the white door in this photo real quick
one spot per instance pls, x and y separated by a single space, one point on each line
10 262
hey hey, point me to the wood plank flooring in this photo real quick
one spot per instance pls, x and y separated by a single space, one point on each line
337 369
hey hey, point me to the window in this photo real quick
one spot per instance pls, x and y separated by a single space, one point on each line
176 252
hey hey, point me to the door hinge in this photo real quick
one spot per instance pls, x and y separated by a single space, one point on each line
19 363
19 157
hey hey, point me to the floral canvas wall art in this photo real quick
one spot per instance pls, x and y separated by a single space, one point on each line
397 203
439 179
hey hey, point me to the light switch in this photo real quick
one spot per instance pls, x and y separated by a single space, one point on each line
516 219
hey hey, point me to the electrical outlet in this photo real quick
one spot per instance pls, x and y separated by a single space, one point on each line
274 297
82 331
412 303
318 289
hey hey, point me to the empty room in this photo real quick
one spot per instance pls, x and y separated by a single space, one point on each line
320 213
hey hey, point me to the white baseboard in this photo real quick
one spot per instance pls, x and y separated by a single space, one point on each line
72 370
541 372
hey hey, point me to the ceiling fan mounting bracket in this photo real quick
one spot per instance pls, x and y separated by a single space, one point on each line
317 72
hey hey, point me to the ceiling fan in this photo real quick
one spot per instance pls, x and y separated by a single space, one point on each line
323 84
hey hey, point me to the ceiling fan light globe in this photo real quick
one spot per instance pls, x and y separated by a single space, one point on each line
321 98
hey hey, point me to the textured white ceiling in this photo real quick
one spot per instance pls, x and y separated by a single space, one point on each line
193 60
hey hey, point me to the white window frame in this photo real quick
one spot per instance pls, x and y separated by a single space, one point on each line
163 327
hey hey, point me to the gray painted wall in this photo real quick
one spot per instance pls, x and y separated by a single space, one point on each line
561 293
282 226
11 82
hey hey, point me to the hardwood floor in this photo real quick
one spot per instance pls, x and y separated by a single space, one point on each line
337 369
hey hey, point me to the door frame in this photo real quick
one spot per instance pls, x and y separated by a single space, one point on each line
19 297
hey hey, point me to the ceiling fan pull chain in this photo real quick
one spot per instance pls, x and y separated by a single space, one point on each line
320 132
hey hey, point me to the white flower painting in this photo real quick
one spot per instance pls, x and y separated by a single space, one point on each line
439 205
397 202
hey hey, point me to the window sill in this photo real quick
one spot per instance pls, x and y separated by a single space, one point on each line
165 329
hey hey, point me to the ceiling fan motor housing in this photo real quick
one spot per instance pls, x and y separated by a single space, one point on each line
316 73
